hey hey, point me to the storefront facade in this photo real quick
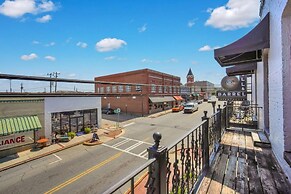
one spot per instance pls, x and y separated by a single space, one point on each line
71 114
21 121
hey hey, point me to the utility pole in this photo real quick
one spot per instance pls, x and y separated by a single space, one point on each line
21 87
56 76
51 83
10 85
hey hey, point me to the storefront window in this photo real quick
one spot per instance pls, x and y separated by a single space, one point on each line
73 121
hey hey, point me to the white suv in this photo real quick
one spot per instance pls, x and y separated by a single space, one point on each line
191 107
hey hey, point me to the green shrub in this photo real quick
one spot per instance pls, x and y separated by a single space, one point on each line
72 134
87 130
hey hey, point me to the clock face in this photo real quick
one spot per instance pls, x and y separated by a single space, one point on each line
230 83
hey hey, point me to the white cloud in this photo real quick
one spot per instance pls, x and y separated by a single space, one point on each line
72 75
109 58
208 48
82 44
234 15
50 44
44 19
50 58
172 60
18 8
28 57
146 61
143 28
109 44
191 23
35 42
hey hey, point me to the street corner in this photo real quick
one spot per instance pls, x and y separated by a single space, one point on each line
113 132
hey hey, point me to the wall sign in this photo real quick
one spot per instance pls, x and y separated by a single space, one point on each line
15 140
235 89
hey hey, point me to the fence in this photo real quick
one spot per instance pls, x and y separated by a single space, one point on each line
243 116
180 167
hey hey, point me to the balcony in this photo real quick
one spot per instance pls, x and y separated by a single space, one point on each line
211 158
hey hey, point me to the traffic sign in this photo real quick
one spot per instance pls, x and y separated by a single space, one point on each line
117 110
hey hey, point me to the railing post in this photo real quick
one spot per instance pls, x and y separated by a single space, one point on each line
205 140
226 115
157 181
219 127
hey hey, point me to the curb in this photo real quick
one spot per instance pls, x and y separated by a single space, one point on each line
51 152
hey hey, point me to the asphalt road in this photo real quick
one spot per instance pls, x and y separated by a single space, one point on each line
82 169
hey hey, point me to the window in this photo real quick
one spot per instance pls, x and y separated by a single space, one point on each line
138 88
165 89
128 88
120 88
174 89
170 89
153 88
108 89
160 89
114 89
101 90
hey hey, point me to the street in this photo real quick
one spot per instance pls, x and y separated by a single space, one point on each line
82 169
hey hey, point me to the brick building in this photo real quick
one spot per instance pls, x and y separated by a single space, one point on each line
204 88
151 91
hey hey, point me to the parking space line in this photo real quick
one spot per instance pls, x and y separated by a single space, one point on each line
136 140
59 159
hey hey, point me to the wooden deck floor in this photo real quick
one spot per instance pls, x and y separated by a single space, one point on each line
239 167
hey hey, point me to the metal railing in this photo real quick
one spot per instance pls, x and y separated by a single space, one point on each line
243 116
180 167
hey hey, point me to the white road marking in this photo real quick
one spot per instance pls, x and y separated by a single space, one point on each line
136 140
128 124
124 151
143 153
59 159
121 143
133 146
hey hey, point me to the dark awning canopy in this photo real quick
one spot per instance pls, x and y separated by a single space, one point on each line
244 69
248 48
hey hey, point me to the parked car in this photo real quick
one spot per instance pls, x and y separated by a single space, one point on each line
191 107
177 108
108 111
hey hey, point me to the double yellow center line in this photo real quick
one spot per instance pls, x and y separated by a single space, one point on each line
83 174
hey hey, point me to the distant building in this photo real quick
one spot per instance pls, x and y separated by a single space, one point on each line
204 88
154 91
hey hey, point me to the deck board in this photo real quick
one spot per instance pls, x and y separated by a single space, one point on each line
240 167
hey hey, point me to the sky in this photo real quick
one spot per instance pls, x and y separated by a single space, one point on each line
83 39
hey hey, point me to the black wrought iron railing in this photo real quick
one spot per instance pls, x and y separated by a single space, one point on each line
180 167
243 116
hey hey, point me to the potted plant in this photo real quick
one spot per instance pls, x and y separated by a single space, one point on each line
87 130
72 135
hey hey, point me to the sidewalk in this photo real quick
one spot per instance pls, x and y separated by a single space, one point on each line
11 161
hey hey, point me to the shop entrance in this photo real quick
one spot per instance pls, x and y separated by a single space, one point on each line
77 124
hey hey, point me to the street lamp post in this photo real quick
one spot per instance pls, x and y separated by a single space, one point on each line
213 105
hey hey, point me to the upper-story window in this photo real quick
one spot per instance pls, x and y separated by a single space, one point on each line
120 88
174 89
138 88
101 90
165 89
128 88
160 89
153 88
170 89
107 89
114 89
